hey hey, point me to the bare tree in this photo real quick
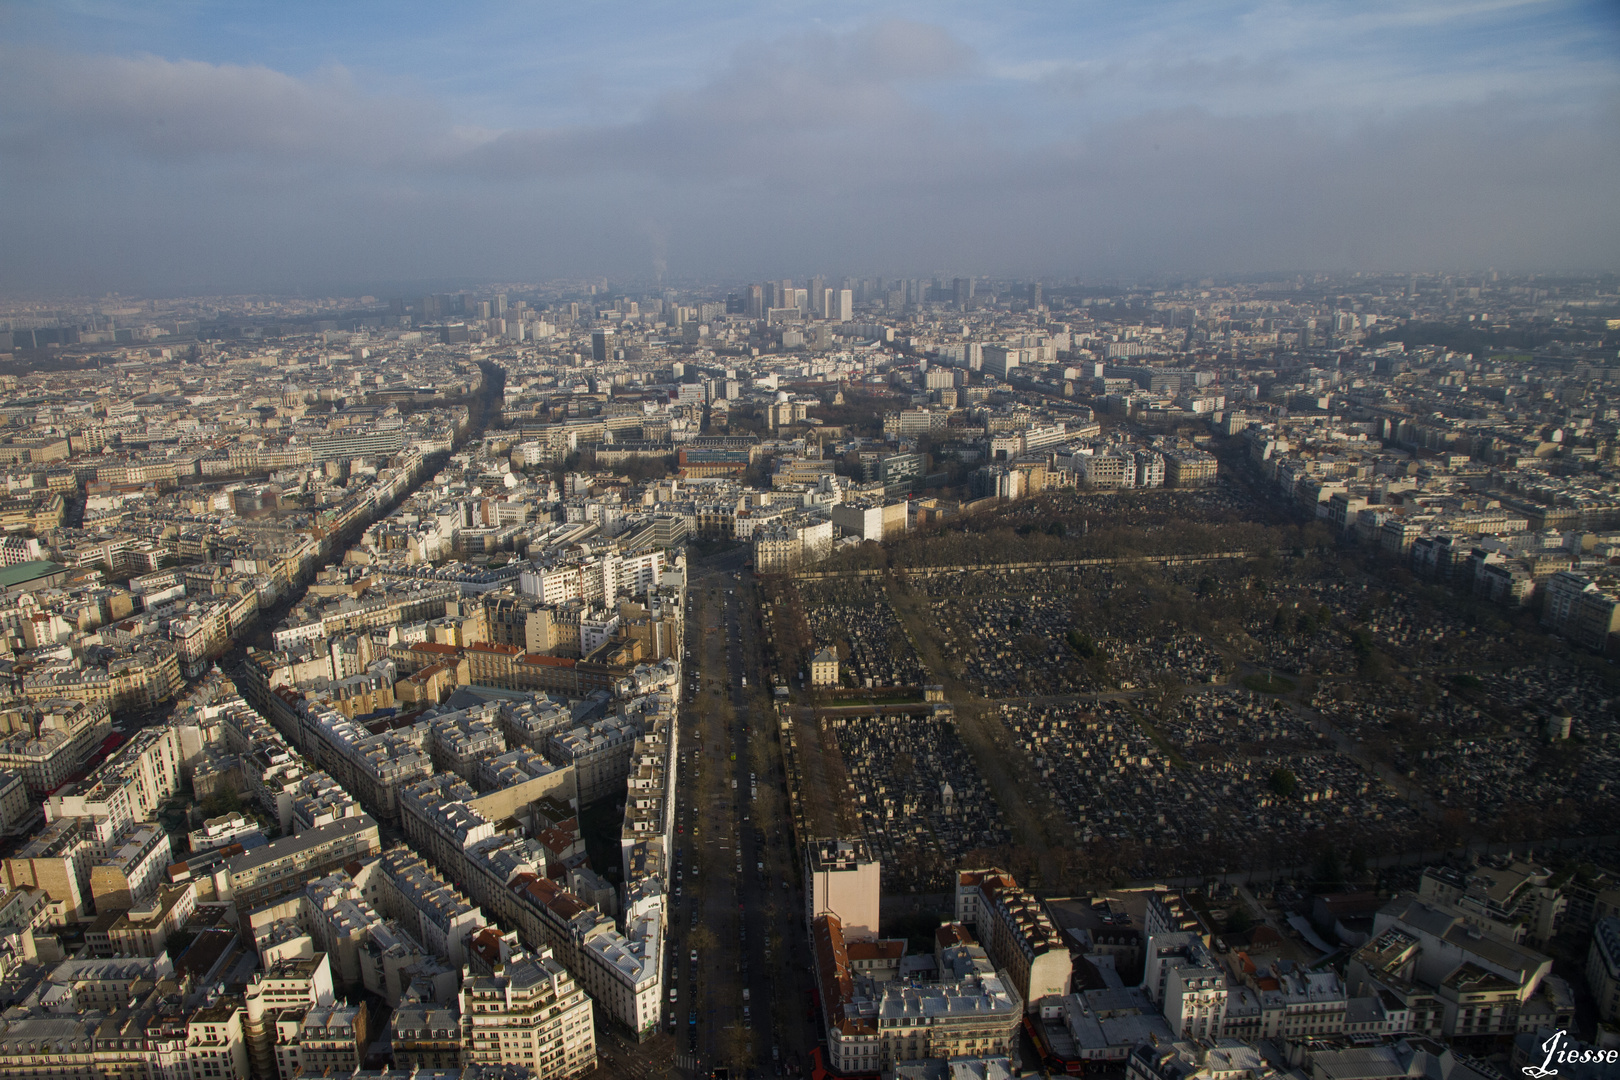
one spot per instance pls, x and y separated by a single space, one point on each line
739 1048
1165 694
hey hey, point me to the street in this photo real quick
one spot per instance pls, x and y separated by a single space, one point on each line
737 905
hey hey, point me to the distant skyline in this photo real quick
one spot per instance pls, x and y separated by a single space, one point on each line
214 147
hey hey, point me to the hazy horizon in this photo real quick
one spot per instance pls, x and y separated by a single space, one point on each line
212 148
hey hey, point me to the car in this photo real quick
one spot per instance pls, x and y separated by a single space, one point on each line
694 960
672 993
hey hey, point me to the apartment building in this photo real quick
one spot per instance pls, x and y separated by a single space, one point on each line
436 913
216 1041
106 985
1452 977
282 867
145 928
600 754
1016 932
1305 1005
1518 901
384 765
649 806
845 880
532 1015
327 1040
425 1035
1150 470
1227 1059
48 740
461 740
1603 969
1104 1026
600 578
57 861
1181 975
623 972
438 821
875 1024
1583 610
292 986
17 810
131 785
130 868
385 607
226 829
1106 468
871 520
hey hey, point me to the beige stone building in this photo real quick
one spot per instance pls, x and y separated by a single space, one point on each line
532 1014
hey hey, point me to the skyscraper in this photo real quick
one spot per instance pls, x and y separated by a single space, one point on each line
846 305
1034 294
602 345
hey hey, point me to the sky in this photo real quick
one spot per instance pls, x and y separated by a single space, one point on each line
203 147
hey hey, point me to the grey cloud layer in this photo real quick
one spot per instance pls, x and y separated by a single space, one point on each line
833 151
183 111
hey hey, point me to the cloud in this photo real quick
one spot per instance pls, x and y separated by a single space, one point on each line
892 147
184 110
775 111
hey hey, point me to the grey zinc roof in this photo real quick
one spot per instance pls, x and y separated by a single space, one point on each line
287 845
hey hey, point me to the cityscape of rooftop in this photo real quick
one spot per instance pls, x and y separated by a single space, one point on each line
890 542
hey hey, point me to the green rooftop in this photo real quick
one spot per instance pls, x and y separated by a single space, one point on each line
23 573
